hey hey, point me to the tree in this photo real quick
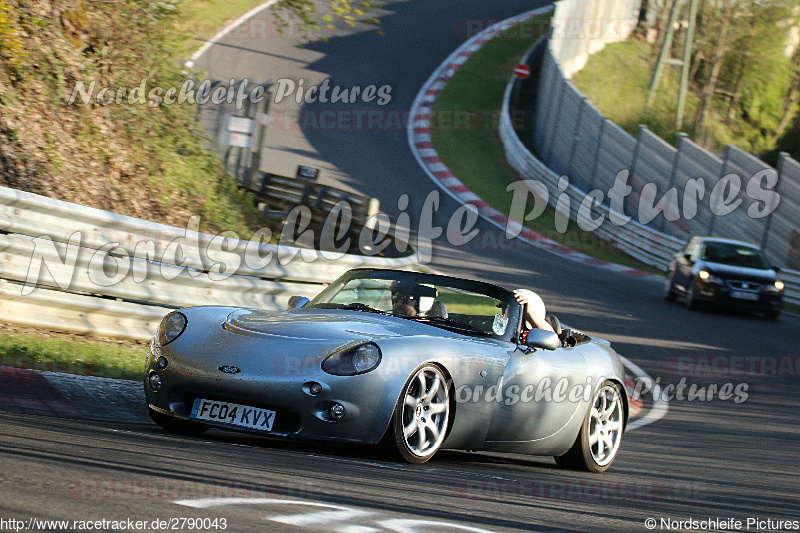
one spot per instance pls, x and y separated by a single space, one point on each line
740 55
724 12
789 103
305 12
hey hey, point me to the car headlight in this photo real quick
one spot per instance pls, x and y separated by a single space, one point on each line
779 285
708 277
171 327
352 361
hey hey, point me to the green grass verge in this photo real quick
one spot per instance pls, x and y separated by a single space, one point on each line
64 353
464 132
626 68
205 18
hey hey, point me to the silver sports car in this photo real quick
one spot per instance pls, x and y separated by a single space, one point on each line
413 362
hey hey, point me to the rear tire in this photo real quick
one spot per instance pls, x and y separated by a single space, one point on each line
773 314
601 432
176 425
422 415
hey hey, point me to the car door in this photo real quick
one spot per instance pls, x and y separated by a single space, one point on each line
535 394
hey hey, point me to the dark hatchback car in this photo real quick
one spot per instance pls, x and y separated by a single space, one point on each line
724 273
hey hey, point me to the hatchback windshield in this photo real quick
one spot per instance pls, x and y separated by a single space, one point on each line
734 254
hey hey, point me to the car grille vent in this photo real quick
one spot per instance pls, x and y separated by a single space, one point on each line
744 285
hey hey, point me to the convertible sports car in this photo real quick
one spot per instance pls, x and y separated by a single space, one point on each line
413 362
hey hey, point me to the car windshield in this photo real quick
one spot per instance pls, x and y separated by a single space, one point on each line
467 307
734 254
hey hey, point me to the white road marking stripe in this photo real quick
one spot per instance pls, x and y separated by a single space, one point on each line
335 513
204 503
404 525
349 528
660 406
320 518
230 27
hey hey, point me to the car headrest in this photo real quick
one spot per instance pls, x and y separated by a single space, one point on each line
554 322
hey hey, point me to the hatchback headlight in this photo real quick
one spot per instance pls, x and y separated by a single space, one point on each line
171 327
352 361
708 277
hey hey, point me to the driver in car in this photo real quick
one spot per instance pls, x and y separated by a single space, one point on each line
405 298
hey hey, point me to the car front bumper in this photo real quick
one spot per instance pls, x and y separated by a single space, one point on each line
722 296
298 412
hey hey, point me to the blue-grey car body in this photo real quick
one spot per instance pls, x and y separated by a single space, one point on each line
279 353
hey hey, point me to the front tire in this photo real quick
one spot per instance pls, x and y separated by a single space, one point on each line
669 291
421 417
601 433
176 425
691 301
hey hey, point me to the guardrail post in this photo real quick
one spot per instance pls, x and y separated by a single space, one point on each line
725 158
596 164
220 118
554 119
243 159
764 239
576 138
542 116
262 119
634 159
673 178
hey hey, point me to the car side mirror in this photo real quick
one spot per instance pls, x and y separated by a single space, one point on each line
541 338
296 302
776 268
688 257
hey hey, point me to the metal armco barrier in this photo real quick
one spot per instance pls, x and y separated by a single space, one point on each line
75 268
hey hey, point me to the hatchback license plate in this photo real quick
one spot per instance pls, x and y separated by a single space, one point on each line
744 295
233 413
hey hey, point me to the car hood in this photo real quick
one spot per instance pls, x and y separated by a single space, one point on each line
742 273
334 325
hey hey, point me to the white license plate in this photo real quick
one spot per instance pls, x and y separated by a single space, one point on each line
233 413
744 295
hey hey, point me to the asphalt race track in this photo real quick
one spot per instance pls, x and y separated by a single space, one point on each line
706 459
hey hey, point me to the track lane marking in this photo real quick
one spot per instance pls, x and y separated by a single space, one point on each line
224 31
321 517
333 513
660 406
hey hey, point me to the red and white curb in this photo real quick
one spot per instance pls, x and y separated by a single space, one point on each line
419 139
